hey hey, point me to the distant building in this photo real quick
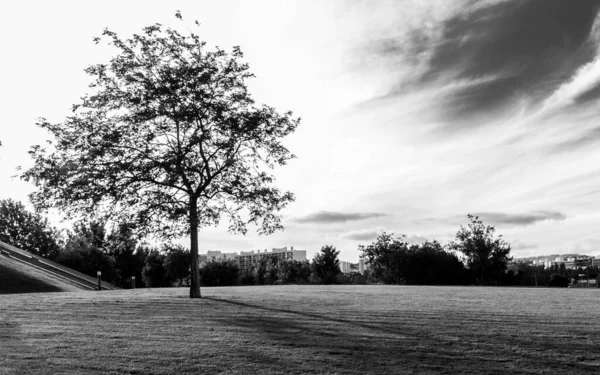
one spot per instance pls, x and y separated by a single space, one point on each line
346 267
248 259
363 265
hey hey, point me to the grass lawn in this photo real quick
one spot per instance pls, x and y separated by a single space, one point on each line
303 329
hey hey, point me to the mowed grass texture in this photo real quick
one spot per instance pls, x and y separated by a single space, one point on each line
303 329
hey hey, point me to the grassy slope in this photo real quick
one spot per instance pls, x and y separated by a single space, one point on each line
16 277
303 329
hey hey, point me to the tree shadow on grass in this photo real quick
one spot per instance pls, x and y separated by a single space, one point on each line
389 345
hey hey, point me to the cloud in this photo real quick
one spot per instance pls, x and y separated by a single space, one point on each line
520 219
328 217
415 239
518 245
504 52
361 235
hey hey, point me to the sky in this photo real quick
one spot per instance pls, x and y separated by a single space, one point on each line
414 113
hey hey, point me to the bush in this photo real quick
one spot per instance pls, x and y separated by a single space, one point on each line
219 273
177 264
559 281
246 277
293 272
352 278
154 274
86 258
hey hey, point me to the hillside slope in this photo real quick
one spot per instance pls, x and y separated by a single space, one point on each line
28 266
17 277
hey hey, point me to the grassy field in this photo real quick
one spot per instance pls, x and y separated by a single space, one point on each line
303 329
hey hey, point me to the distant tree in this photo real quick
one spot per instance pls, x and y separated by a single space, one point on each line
326 265
177 263
560 281
386 257
304 271
430 264
247 276
154 274
121 244
84 252
27 230
393 261
352 278
265 271
169 140
219 273
486 255
562 269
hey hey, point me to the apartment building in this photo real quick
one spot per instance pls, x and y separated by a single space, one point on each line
247 259
363 265
346 267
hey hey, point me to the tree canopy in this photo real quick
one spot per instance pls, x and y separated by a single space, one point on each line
486 255
169 140
27 230
326 265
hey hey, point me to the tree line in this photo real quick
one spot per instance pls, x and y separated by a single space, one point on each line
118 253
476 257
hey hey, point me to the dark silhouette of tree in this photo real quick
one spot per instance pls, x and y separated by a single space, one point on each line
122 245
84 251
177 263
26 230
293 272
486 255
386 257
560 281
430 264
154 274
326 265
393 261
219 273
169 140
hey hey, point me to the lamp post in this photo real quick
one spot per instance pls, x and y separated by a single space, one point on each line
99 273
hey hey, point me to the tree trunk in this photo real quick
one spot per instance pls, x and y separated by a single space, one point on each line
195 284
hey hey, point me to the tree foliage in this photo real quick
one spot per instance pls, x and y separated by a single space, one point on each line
169 140
219 273
293 272
154 274
385 258
486 255
84 252
26 230
392 260
177 264
326 265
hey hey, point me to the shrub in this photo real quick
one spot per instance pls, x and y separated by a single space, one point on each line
219 273
557 280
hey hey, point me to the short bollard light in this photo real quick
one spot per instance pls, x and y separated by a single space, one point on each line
99 273
132 282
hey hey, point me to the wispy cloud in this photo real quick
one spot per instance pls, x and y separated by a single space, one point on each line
361 235
495 54
324 217
520 219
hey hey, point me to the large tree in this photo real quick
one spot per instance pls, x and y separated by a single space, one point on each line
486 255
169 140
